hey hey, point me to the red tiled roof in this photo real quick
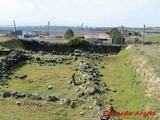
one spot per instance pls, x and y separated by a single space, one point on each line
102 36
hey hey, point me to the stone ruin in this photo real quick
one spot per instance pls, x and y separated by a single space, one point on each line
15 56
89 84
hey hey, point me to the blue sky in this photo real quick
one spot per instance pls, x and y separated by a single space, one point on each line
133 13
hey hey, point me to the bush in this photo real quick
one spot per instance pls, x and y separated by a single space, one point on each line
69 34
76 42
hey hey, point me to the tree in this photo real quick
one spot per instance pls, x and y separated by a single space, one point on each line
69 34
116 36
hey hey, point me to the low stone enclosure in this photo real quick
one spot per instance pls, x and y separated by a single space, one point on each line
88 84
15 57
63 48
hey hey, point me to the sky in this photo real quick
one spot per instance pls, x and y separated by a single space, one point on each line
96 13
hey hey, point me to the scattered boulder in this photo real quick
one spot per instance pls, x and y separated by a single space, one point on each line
22 76
104 84
97 102
85 98
105 117
34 96
20 95
111 100
112 89
67 101
96 82
6 94
72 104
102 67
18 103
81 113
52 98
49 87
90 91
14 93
80 94
90 107
84 81
100 75
104 89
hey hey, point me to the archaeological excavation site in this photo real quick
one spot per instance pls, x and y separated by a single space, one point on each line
55 81
79 60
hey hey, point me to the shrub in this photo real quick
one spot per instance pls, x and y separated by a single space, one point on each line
77 42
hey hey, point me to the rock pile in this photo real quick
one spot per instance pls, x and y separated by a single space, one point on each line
36 96
91 83
33 96
58 60
52 98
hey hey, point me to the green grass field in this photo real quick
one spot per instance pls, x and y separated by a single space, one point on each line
151 38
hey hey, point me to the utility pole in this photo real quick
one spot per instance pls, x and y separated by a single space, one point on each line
48 29
121 34
144 31
14 22
82 31
82 26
